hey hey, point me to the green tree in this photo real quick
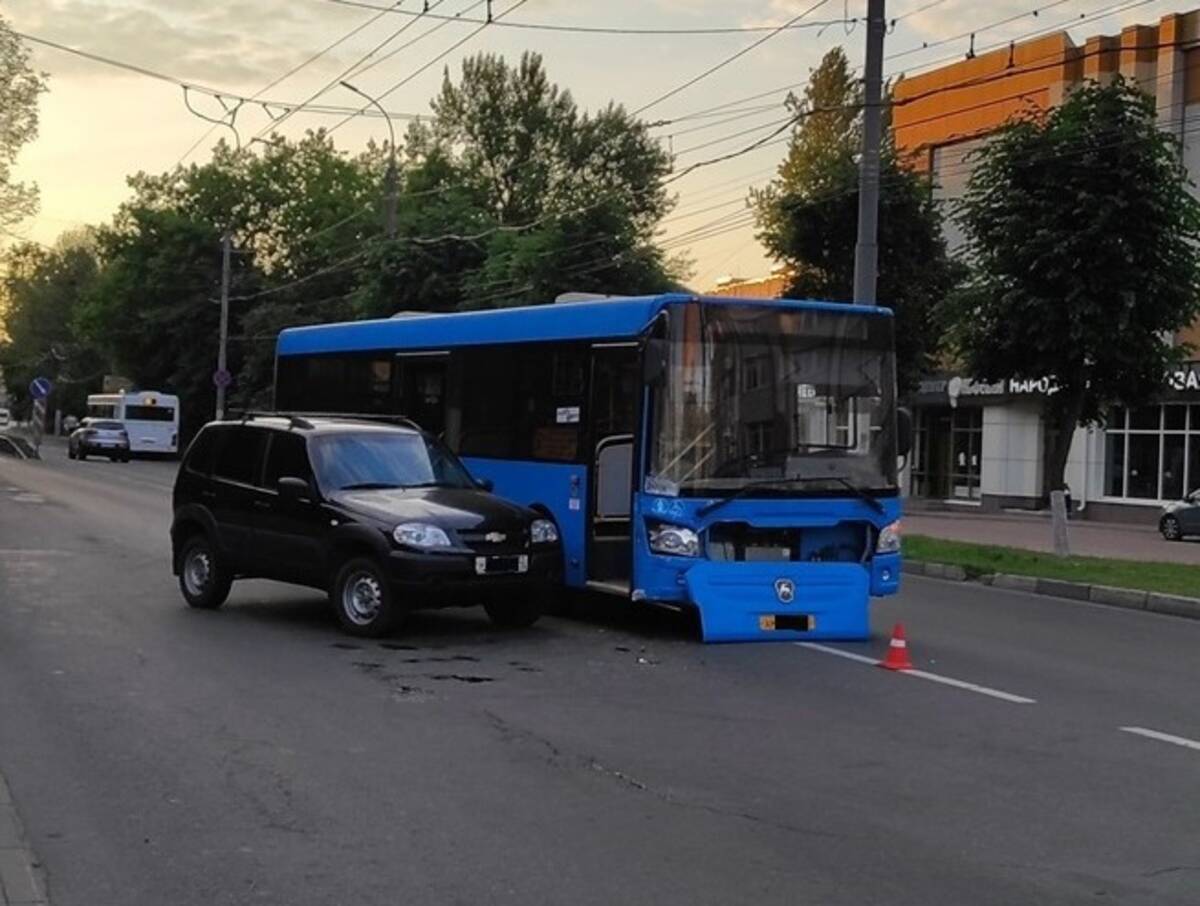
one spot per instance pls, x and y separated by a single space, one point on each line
549 198
807 217
42 290
1082 234
20 86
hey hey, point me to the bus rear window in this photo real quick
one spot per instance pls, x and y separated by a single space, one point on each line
149 414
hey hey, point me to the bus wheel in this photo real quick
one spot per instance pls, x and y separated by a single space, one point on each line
518 614
205 583
363 599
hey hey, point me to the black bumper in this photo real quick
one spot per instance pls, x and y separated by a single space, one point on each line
446 580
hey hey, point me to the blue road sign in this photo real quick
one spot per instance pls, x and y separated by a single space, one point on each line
39 388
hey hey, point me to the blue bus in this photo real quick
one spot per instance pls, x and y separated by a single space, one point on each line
734 456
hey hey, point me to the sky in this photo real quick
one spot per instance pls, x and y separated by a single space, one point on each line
98 124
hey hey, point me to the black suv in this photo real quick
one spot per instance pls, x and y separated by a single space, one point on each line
384 517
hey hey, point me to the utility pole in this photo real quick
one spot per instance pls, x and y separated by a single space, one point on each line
866 252
221 382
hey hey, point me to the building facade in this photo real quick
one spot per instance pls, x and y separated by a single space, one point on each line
984 444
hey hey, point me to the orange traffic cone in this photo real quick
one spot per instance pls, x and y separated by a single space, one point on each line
897 654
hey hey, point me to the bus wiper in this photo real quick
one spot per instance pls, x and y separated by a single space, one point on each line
799 479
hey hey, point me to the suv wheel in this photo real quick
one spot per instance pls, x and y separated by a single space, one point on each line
520 614
1170 528
363 600
203 580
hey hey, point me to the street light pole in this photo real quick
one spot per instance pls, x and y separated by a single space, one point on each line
226 242
389 186
866 252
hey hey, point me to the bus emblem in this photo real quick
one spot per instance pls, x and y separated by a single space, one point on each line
785 590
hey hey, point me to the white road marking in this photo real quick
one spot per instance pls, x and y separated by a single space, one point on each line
1162 737
925 675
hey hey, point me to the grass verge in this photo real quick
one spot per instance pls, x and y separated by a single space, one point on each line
983 559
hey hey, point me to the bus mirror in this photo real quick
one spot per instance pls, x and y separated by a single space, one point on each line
904 432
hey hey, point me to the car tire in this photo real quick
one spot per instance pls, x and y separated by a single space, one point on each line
70 453
81 456
1170 528
203 579
515 614
363 600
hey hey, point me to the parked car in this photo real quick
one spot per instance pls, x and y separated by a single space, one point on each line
16 447
383 517
99 437
1181 518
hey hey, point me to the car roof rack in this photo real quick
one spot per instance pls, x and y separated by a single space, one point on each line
301 419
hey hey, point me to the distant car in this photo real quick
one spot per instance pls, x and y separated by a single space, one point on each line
384 518
5 418
99 437
1181 518
17 447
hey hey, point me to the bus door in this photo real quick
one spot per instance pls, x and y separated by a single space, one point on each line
616 378
421 389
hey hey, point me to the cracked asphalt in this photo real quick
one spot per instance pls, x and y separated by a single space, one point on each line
160 756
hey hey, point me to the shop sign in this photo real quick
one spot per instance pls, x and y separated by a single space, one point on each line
1186 377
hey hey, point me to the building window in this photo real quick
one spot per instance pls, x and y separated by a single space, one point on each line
1152 453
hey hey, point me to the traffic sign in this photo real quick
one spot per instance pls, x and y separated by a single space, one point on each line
222 378
39 388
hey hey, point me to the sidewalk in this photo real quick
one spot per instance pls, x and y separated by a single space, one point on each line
1032 532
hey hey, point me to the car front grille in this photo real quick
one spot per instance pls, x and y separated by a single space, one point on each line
516 541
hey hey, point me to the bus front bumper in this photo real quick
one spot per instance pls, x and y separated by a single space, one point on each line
788 601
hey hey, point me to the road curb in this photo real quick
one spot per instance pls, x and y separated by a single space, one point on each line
1109 596
21 882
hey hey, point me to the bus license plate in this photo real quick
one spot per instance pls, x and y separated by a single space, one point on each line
799 622
485 566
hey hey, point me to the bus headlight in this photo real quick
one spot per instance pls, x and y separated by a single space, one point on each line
419 534
674 540
543 531
889 539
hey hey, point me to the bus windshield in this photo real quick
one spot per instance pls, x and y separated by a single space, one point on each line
751 393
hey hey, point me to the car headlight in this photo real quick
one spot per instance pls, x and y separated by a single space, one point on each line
675 540
889 539
419 534
543 531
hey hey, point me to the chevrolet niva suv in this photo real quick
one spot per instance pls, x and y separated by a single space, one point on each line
383 517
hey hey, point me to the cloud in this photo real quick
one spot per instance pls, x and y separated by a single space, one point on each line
223 44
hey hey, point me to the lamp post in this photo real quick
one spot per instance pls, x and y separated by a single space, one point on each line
390 177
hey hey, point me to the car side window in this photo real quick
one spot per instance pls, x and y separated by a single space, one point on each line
200 454
240 455
286 458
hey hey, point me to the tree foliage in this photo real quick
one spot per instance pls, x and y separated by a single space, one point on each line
1082 233
40 307
20 86
807 217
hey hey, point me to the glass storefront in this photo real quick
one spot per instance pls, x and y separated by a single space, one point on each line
1152 453
946 457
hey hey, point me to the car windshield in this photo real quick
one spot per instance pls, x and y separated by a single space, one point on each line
379 459
752 393
107 426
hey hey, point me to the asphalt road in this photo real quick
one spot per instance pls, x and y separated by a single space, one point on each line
169 757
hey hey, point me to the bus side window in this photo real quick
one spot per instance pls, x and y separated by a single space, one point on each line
554 381
489 409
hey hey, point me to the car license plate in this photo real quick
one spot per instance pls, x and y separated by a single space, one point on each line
486 566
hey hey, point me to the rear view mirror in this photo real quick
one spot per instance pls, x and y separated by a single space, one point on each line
904 432
485 484
293 489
